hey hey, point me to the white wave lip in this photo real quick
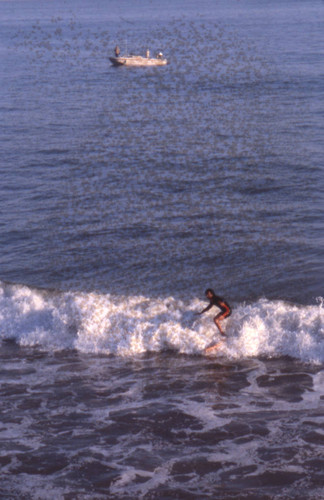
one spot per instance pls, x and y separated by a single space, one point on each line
272 328
126 326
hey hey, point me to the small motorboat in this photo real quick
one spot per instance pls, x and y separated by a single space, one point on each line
133 60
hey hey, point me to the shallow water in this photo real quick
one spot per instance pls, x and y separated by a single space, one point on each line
159 426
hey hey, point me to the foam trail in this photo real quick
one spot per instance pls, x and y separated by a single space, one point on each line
127 326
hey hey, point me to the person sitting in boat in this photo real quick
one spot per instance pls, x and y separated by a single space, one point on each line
159 55
117 51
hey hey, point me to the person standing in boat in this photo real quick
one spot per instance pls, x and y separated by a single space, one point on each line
147 53
117 51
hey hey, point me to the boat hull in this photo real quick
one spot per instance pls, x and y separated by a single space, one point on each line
137 61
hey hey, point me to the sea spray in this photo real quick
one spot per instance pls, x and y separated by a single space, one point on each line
128 326
277 328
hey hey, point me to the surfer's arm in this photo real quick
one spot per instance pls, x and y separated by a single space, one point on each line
206 309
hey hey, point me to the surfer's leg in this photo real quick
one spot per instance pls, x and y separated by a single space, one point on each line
222 315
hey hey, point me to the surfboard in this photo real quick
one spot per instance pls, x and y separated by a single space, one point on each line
213 348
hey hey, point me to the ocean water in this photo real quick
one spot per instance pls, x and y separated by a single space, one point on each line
124 194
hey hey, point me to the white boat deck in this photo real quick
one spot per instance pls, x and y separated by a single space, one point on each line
133 60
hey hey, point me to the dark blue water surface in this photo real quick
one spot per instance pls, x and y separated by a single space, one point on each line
163 180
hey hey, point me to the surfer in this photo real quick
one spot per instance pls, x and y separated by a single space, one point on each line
225 310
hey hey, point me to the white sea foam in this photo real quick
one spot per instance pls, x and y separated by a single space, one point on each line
127 326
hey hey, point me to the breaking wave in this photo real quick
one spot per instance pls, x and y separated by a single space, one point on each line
127 326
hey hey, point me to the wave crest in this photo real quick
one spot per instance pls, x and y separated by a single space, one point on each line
126 326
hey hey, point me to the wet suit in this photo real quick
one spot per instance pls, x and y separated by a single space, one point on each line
225 310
